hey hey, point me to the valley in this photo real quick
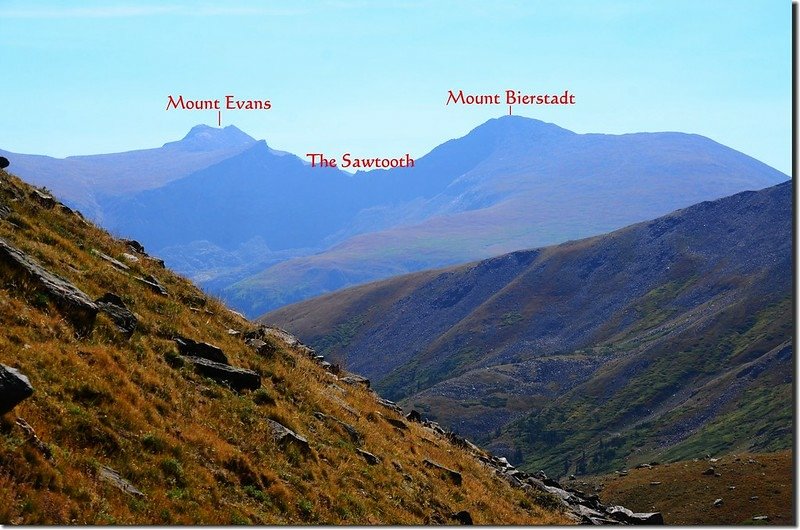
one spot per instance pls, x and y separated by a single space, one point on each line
665 339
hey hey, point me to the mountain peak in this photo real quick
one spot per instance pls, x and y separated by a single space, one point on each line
205 138
519 125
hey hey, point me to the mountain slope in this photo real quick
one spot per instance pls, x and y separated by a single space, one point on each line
155 404
84 181
529 184
261 228
655 339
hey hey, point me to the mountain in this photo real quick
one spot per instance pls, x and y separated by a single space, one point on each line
261 228
128 396
84 181
511 183
666 339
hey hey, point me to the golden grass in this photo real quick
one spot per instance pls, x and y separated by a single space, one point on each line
686 496
199 452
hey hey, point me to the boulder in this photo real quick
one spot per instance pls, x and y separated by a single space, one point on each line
267 349
463 517
115 308
351 431
189 347
45 200
71 301
135 246
414 416
153 284
710 471
453 475
652 518
115 479
236 378
369 457
391 405
114 263
14 388
353 379
400 424
4 162
284 436
589 516
626 516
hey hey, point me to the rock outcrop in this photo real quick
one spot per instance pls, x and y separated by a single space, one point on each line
115 308
284 436
236 378
14 388
115 479
191 348
76 306
452 474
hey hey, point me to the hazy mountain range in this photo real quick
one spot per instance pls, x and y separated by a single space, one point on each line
261 228
666 339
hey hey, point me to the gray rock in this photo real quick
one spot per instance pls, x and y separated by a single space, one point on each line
369 457
284 436
153 284
589 516
717 502
710 471
189 347
453 475
264 348
760 518
115 263
414 416
620 513
43 199
135 246
236 378
353 379
76 306
115 308
115 479
34 440
391 405
351 431
4 163
400 424
652 518
14 388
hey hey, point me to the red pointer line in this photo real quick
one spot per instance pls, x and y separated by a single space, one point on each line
509 110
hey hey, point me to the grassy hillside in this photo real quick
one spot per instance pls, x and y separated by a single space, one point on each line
670 337
750 486
189 449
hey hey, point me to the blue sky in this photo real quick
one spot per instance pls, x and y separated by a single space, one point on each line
371 78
